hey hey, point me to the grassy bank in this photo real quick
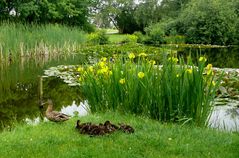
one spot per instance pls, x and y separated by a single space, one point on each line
151 139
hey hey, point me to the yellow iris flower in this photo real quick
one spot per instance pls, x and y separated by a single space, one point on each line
122 81
131 56
202 59
141 75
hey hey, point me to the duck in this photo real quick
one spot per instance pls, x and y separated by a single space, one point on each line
54 116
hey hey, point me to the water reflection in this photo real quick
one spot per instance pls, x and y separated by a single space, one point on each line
76 110
225 118
227 57
19 93
35 121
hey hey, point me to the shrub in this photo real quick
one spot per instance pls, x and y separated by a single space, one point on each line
209 22
98 37
130 39
140 36
175 39
155 34
135 84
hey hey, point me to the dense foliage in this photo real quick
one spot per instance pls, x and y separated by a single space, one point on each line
199 21
212 22
70 12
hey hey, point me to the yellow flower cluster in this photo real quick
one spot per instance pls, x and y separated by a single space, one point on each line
101 68
80 69
142 55
122 81
153 62
90 68
209 69
173 59
189 70
202 59
131 56
213 83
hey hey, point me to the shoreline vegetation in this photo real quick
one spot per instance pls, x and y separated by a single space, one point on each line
151 139
31 39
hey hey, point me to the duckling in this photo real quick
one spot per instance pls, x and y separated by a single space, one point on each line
89 128
109 127
54 115
126 128
84 128
98 130
102 129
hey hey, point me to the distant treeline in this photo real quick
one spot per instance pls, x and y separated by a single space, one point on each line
69 12
200 21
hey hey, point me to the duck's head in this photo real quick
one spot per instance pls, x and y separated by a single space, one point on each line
78 124
107 123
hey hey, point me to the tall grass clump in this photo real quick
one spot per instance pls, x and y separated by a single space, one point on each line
25 39
174 92
98 37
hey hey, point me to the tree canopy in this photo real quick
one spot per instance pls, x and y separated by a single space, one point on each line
200 21
70 12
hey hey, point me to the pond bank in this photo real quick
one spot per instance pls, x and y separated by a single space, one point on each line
225 115
150 139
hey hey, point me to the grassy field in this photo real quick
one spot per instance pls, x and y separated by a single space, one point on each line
116 38
151 139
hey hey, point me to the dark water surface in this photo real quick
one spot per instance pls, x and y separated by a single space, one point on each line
218 57
19 87
19 82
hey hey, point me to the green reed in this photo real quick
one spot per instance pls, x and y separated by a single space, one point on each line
25 39
174 92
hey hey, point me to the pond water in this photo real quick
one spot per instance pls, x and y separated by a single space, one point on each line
19 86
218 57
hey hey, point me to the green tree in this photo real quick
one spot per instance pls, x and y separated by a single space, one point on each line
70 12
147 12
209 22
114 11
172 8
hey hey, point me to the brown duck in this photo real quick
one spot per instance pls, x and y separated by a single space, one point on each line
54 115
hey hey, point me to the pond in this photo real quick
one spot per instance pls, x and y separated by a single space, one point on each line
19 84
219 57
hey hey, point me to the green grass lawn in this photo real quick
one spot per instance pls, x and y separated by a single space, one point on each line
116 37
151 139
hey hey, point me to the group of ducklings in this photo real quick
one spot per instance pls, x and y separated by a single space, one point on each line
102 129
86 128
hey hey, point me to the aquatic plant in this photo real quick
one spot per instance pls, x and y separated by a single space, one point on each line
28 40
174 92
